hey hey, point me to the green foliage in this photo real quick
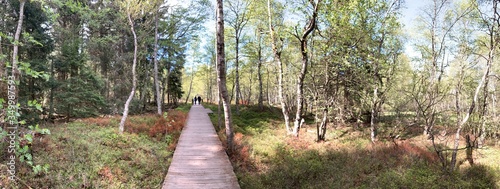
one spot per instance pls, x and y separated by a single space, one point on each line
23 142
39 168
78 91
175 84
34 53
32 70
481 176
35 104
38 130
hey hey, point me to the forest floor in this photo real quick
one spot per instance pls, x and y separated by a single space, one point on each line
267 158
90 153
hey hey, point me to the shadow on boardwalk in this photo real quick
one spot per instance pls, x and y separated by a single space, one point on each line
200 160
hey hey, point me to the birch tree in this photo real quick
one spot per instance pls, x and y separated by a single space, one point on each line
155 60
15 51
491 20
428 91
308 29
385 57
237 18
132 9
221 75
277 59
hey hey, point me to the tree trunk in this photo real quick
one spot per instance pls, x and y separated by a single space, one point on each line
268 96
167 87
464 120
51 95
484 111
277 58
134 77
259 75
155 57
190 86
232 92
237 75
221 65
15 51
300 80
321 129
219 108
373 129
207 97
249 96
163 92
144 89
493 34
2 58
300 90
15 71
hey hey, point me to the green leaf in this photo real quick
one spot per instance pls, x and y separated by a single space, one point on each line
29 157
45 131
46 168
37 169
39 107
29 138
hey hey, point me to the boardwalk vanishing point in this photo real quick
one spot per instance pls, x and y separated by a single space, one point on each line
199 159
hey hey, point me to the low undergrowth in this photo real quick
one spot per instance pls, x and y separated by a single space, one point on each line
90 153
266 157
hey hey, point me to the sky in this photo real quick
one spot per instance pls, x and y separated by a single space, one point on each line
411 10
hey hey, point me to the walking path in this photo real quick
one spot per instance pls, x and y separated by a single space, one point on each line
199 159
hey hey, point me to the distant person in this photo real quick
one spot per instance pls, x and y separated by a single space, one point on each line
194 100
199 100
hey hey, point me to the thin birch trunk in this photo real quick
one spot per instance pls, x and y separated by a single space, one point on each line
491 55
259 76
190 85
15 70
464 120
2 58
134 77
277 58
237 75
157 81
221 65
373 129
305 60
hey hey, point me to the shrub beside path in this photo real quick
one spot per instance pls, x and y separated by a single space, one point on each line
199 159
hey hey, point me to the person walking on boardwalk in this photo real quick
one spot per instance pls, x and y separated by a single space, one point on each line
194 100
199 100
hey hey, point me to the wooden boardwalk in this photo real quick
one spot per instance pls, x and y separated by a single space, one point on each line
200 160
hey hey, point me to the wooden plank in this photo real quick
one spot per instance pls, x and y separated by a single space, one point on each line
199 160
